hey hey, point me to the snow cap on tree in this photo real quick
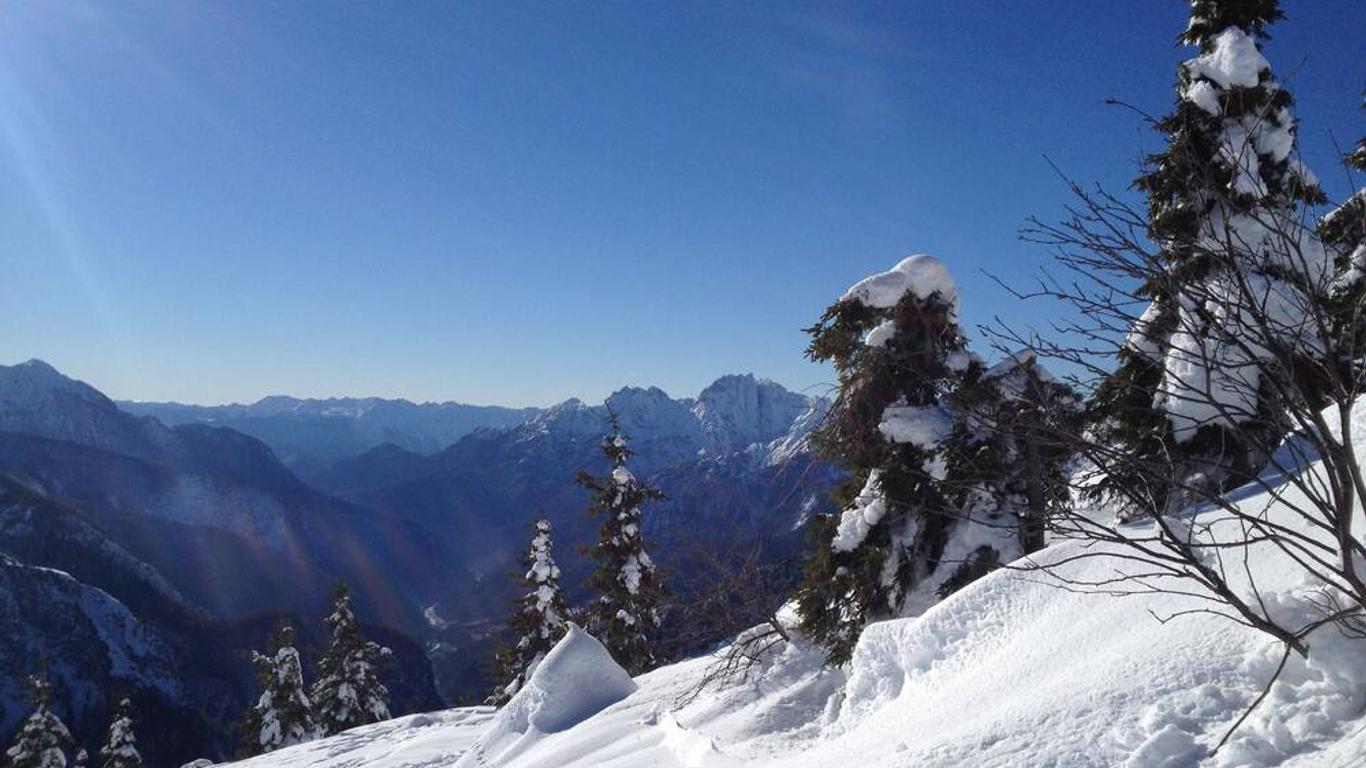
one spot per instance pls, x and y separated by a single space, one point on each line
43 736
348 691
120 746
627 612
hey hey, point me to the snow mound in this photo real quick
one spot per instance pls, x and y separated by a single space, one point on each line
576 680
921 274
925 426
1234 61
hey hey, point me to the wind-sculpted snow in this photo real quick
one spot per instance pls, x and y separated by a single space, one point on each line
576 680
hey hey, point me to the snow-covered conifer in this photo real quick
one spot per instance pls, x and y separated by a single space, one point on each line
1225 206
43 736
626 614
540 620
81 760
897 350
1344 231
120 748
348 691
1005 466
282 715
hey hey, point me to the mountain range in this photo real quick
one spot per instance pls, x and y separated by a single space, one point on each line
207 537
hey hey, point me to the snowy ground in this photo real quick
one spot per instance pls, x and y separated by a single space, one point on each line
1007 672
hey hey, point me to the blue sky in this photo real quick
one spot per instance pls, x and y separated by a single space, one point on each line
521 202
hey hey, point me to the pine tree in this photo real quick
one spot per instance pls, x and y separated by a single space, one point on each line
1344 231
1005 466
897 350
626 614
1227 193
43 736
540 620
282 715
120 748
81 760
348 691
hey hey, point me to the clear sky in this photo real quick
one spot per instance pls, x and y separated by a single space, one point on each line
507 202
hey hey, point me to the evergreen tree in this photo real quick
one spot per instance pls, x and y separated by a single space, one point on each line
282 715
1006 467
120 748
43 736
1344 231
897 350
81 760
1227 194
348 691
540 620
626 614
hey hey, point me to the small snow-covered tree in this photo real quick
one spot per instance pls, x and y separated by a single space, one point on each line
348 691
626 615
897 350
282 715
1226 204
120 748
43 736
540 620
81 760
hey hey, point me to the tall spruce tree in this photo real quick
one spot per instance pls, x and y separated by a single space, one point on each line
626 615
540 620
120 748
897 350
1226 194
43 736
282 715
348 691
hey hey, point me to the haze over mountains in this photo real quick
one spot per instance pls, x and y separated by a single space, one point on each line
183 528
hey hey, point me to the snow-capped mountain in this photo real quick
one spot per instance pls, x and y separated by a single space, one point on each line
309 434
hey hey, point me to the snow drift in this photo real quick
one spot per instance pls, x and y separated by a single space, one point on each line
575 681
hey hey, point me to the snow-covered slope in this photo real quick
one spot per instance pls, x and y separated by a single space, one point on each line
1010 671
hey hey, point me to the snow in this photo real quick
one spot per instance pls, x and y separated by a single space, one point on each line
1234 61
923 426
883 333
1142 340
1008 671
867 511
575 681
922 275
1204 96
